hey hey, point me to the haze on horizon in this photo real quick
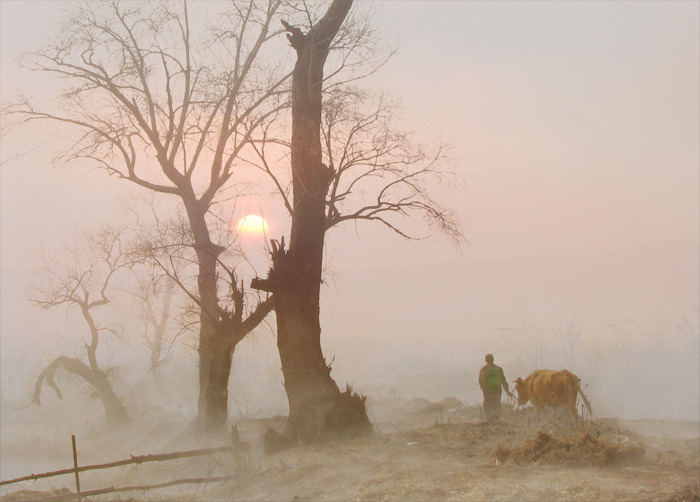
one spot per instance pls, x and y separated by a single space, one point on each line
577 128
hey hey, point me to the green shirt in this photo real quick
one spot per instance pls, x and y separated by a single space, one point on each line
491 378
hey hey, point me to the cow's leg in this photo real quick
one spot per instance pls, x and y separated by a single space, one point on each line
573 412
540 413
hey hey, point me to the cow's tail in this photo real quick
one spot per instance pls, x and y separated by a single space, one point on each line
583 397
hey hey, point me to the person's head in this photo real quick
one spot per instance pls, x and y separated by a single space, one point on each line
489 358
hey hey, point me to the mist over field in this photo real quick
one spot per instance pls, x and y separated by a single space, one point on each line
421 331
575 129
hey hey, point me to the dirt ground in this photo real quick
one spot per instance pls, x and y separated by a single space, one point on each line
420 451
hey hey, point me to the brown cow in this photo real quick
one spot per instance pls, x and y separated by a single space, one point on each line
551 388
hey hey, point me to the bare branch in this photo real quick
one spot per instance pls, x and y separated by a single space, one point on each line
373 159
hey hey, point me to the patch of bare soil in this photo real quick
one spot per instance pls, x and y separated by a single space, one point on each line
423 451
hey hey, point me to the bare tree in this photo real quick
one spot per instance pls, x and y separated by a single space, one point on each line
348 162
172 109
84 280
687 331
524 345
167 245
154 301
568 337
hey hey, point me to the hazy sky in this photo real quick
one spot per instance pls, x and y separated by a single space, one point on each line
578 120
575 124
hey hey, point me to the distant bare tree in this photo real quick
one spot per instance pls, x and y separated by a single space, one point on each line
161 101
687 331
523 344
627 346
568 337
155 298
598 356
83 277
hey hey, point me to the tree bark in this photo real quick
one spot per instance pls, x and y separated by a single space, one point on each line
316 405
229 333
207 254
216 415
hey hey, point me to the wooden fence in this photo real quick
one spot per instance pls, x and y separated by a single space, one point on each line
133 460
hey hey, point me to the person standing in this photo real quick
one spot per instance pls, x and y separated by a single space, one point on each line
491 381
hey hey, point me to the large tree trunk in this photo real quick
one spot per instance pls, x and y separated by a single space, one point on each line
231 329
220 330
209 314
208 320
216 415
316 405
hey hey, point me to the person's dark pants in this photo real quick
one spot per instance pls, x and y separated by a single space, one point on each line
492 405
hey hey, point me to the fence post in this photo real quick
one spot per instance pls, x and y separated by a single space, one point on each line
75 464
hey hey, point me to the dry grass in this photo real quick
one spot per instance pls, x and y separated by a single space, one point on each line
571 449
453 458
689 493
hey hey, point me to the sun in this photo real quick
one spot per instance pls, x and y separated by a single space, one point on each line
252 224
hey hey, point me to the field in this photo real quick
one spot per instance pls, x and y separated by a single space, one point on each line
419 451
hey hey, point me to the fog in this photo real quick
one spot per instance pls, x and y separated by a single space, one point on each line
576 126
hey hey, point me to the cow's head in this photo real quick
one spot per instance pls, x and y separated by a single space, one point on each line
523 394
